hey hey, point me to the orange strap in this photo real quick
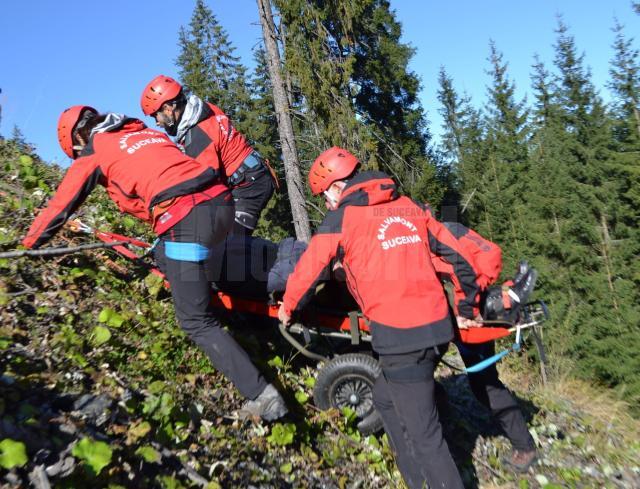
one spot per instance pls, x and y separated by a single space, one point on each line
506 298
273 173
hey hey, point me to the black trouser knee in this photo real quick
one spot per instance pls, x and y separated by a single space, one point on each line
492 393
250 197
404 396
207 225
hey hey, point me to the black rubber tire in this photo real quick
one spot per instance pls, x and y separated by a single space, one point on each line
347 380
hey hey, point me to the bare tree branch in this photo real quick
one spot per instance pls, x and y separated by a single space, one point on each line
59 251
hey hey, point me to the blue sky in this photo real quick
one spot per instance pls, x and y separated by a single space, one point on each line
54 54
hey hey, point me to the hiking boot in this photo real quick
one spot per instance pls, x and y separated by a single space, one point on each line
269 405
520 460
522 289
523 268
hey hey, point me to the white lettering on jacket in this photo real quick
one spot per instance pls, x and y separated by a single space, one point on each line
222 119
399 240
123 140
136 146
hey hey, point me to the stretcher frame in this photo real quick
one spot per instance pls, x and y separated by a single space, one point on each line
349 326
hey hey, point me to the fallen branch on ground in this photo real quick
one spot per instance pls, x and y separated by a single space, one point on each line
59 251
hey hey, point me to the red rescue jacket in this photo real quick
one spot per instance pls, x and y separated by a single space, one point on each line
214 142
487 258
384 242
139 167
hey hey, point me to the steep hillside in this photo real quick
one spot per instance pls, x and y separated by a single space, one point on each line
99 388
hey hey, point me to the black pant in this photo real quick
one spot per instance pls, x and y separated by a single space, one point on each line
251 196
492 393
208 225
404 397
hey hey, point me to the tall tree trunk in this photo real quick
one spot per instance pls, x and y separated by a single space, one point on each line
287 75
636 114
606 239
285 126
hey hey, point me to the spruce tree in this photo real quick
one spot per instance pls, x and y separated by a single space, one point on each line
549 209
348 63
622 240
568 177
492 150
209 68
590 221
546 108
387 91
507 128
262 117
506 155
18 138
625 86
462 145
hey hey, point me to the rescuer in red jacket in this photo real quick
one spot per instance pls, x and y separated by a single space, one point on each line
208 136
503 301
187 205
383 242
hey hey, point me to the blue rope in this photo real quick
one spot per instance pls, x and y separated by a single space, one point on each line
486 362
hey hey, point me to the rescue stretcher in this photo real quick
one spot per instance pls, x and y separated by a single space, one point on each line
344 379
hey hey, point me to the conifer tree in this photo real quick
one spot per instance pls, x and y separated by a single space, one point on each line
492 151
351 68
507 128
462 144
570 184
505 156
547 194
623 243
209 68
625 85
546 109
18 138
574 145
583 108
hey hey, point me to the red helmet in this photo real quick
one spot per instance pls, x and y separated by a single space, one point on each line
67 123
159 90
333 164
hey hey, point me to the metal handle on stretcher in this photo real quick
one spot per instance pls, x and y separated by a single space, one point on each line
517 328
298 346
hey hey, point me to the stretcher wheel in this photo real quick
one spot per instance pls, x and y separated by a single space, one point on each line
347 381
